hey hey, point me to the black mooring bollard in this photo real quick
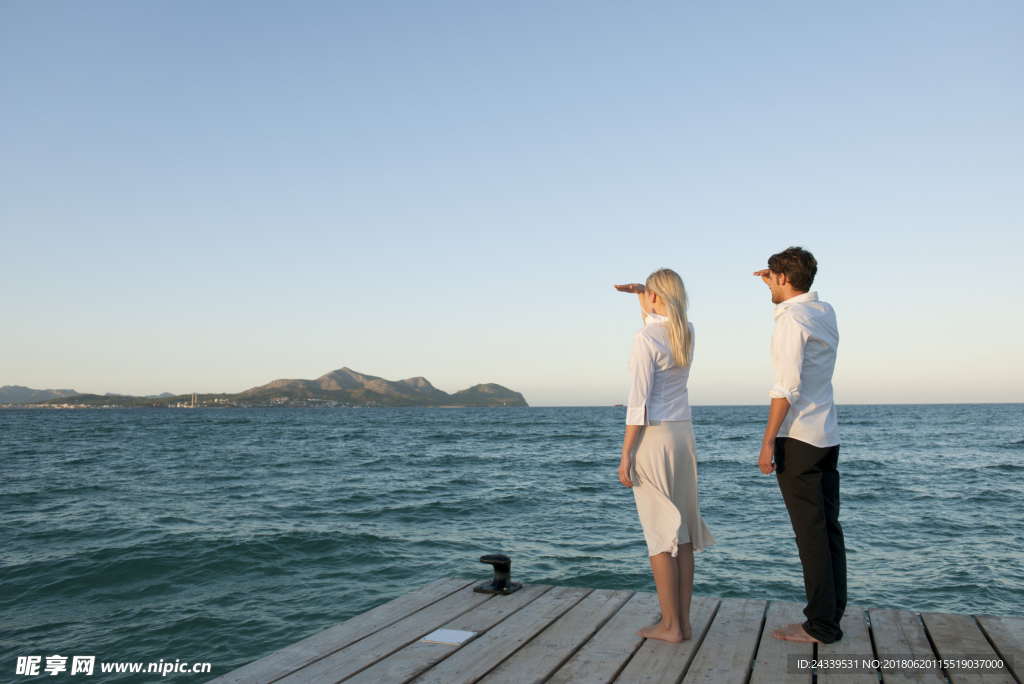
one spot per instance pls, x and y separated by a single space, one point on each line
502 582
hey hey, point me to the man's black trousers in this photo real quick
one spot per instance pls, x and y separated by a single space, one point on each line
809 482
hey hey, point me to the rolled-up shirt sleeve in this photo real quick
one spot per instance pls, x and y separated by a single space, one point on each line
641 365
788 358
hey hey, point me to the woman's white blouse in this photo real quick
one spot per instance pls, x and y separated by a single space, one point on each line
659 385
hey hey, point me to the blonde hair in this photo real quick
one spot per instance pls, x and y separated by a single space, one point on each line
667 284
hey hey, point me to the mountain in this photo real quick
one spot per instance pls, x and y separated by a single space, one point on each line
16 394
488 395
343 386
350 387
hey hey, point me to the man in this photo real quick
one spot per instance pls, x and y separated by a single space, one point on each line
801 442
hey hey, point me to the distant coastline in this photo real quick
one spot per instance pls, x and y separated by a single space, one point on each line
343 388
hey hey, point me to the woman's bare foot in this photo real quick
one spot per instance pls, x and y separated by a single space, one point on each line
794 633
659 631
687 632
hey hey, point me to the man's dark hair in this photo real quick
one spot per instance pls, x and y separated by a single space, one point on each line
798 264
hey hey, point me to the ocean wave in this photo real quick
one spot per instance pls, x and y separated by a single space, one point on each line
234 533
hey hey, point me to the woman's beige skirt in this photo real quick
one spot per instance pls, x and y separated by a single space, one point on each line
664 478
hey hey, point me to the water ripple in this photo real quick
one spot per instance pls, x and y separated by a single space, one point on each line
223 535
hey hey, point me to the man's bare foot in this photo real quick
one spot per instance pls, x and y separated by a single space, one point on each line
659 631
794 633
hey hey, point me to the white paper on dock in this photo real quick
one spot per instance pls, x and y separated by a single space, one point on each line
452 637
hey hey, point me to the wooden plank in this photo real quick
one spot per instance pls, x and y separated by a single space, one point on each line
603 657
381 644
298 655
1006 635
418 657
771 664
956 636
486 652
660 661
538 659
728 648
899 634
856 641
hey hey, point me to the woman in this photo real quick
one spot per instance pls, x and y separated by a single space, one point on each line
658 452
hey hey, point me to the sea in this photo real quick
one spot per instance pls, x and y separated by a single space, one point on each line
220 536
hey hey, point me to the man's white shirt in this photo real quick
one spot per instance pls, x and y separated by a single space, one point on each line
804 355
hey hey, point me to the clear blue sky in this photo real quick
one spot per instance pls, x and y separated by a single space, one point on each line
206 196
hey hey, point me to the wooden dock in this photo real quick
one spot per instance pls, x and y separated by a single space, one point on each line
561 634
